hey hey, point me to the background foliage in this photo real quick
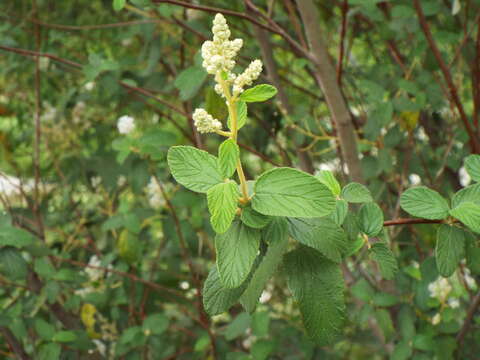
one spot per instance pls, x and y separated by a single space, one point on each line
103 255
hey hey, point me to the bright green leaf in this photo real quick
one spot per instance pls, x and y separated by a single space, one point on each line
228 156
381 253
356 193
64 336
195 169
222 203
258 93
425 203
290 192
449 249
119 4
327 178
469 194
469 214
370 219
472 165
340 213
254 219
236 251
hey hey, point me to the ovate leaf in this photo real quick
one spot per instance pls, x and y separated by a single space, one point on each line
216 297
425 203
468 194
449 249
370 219
381 253
472 165
327 178
340 213
222 203
195 169
12 236
321 234
228 155
356 193
12 264
254 219
258 93
236 251
290 192
276 234
469 214
189 81
317 286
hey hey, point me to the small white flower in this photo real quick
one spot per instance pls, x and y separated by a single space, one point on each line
96 181
155 196
101 347
436 319
122 180
464 177
184 285
439 289
265 297
126 124
89 86
204 122
469 280
414 179
251 73
93 273
453 303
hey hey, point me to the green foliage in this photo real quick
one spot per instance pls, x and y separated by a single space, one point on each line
258 93
424 202
228 156
356 193
222 204
472 165
450 249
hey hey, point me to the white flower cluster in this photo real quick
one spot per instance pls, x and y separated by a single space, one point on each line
439 289
125 124
204 122
251 73
155 196
218 59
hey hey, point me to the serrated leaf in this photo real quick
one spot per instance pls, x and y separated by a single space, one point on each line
217 298
340 213
381 253
469 194
425 203
321 234
370 219
195 169
242 111
472 165
228 156
317 286
469 214
449 249
236 251
11 236
356 193
327 178
189 81
276 234
290 192
12 264
222 202
258 93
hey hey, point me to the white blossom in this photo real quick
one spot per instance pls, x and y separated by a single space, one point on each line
89 86
96 181
125 124
93 273
184 285
436 319
101 347
204 122
464 177
453 303
155 196
265 297
414 179
251 73
439 289
122 180
469 280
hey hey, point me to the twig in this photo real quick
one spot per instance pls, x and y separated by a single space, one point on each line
407 221
14 344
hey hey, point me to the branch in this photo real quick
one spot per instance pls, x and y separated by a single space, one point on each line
408 221
474 143
14 344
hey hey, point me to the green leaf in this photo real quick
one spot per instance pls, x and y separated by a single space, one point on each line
64 336
216 298
254 219
425 203
472 165
238 326
327 178
469 194
222 203
236 251
119 4
321 234
262 349
242 111
49 351
469 214
44 268
370 219
356 193
340 213
317 286
195 169
258 93
290 192
276 234
44 330
189 81
156 323
381 253
12 264
12 236
450 249
228 156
